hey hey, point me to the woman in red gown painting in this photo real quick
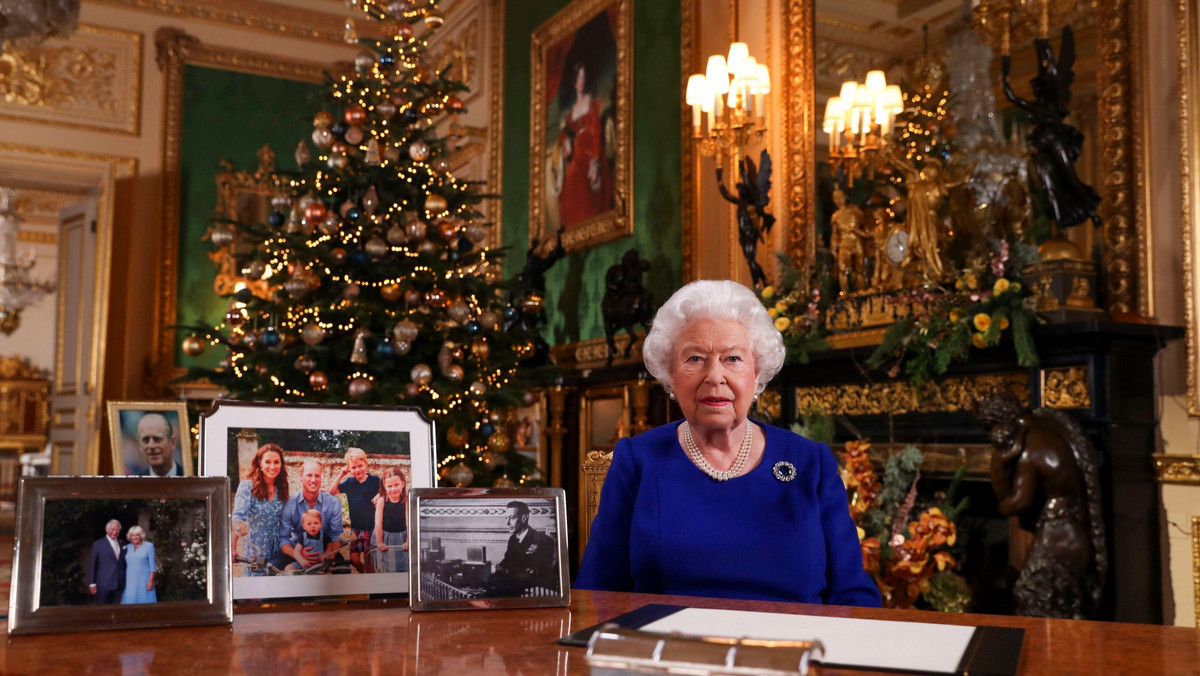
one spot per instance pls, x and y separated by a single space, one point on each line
587 181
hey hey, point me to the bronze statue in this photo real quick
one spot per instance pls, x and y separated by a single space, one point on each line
1044 473
753 194
626 302
1056 145
533 274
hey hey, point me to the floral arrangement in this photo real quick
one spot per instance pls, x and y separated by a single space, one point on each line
798 312
911 561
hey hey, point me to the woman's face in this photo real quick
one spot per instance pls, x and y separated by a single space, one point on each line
394 485
713 374
271 465
580 80
135 537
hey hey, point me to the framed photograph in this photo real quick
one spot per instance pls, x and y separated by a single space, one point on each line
101 553
150 438
480 548
527 430
581 130
304 481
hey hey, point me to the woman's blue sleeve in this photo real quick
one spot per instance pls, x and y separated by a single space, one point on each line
606 560
847 583
241 501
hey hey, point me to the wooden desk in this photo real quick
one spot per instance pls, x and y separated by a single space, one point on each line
385 638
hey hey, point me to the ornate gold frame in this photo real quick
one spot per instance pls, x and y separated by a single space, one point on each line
174 50
1196 565
1188 24
1177 469
267 17
183 430
615 224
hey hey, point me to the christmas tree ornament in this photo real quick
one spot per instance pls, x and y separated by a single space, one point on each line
243 295
454 103
315 212
337 161
281 203
221 236
421 374
486 429
391 153
478 389
351 291
329 225
415 229
427 247
464 245
235 317
480 348
476 232
441 164
473 327
224 364
460 475
418 150
296 287
250 341
453 256
305 364
457 436
318 380
338 148
358 257
396 236
376 248
495 417
358 355
409 116
490 460
193 345
271 338
456 351
354 135
433 19
412 391
386 109
435 298
503 482
262 369
358 387
355 114
402 347
255 269
455 373
372 157
447 229
459 311
435 204
322 137
370 200
398 8
276 219
385 349
337 257
312 334
413 297
529 398
404 31
532 304
322 119
444 359
302 155
405 330
363 63
391 292
489 319
349 32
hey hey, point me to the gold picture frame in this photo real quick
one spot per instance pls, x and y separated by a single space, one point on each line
581 125
1188 23
1196 566
63 520
124 427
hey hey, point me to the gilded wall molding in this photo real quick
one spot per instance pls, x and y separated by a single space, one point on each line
1177 469
1123 238
588 354
93 81
1187 22
493 208
898 397
689 188
1196 567
175 49
1065 388
267 17
799 131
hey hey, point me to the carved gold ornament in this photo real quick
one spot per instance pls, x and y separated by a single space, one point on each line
1177 469
1066 388
899 397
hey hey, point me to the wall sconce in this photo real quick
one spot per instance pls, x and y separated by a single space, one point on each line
1001 22
859 122
732 95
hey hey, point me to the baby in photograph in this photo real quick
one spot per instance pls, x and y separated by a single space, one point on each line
313 535
360 489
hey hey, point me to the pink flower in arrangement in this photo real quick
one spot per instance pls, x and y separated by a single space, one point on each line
1000 259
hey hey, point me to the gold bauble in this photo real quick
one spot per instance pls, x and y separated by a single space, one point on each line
457 436
391 292
460 475
193 346
480 348
499 442
318 380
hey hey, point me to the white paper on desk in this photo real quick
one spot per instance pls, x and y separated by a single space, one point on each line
885 644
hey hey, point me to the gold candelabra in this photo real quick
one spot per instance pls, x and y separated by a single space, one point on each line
1001 22
731 97
859 122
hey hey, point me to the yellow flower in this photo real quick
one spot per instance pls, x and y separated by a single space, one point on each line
768 292
978 341
782 323
1000 286
781 306
1015 287
1003 323
972 282
772 312
953 316
982 321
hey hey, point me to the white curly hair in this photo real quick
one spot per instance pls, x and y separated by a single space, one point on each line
717 300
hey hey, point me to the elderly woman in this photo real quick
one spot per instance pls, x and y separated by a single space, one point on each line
141 567
718 505
258 503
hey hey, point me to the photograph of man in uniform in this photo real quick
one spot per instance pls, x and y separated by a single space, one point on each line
530 561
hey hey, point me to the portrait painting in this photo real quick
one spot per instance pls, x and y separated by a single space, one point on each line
150 438
319 495
106 553
580 139
484 548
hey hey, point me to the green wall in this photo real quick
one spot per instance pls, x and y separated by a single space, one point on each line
227 115
575 286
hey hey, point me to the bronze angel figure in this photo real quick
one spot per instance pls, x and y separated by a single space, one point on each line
753 194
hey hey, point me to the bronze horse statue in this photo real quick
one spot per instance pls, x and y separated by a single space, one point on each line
626 302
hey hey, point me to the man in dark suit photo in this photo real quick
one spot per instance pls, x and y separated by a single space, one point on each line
157 440
106 568
530 560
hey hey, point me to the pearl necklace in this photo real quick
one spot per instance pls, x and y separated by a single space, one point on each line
697 457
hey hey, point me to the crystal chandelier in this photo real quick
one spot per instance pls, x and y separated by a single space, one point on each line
25 23
17 290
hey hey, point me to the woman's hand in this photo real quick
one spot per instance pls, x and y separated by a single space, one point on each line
383 547
404 547
150 585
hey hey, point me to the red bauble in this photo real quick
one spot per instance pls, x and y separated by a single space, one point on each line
356 115
318 380
323 118
314 212
447 230
454 103
360 386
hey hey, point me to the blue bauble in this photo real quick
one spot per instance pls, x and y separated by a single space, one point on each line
510 312
465 245
358 257
486 429
473 327
409 116
338 128
270 338
386 350
276 218
453 256
353 214
243 295
386 59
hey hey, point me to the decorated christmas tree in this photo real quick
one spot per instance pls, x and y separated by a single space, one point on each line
371 281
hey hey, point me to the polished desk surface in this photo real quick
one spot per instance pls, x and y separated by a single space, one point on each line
384 637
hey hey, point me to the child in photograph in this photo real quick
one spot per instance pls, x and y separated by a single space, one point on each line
360 489
391 522
313 535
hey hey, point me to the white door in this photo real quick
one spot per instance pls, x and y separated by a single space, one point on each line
75 404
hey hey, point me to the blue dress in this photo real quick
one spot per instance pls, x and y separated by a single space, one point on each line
666 527
139 564
263 518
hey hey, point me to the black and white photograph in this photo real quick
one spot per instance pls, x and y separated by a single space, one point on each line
118 548
319 495
489 548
